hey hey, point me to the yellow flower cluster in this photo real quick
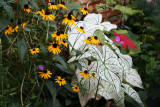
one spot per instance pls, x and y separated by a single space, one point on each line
9 30
92 40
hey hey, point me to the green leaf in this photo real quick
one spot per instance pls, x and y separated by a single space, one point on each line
68 102
52 89
22 47
8 8
127 10
23 2
61 67
78 65
56 103
60 59
4 23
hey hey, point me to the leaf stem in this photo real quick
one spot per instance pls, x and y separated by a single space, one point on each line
47 29
22 89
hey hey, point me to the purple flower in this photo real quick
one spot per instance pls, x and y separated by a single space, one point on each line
117 39
121 42
41 67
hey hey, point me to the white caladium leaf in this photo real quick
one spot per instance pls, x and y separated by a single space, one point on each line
133 78
91 23
132 93
106 90
84 96
108 26
95 20
109 68
91 83
130 75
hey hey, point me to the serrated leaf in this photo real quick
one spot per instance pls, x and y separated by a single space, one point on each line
132 93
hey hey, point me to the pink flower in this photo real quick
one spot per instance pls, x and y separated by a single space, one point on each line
124 41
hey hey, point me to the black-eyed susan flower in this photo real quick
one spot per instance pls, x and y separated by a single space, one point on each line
45 73
63 43
47 15
95 40
52 6
60 81
54 48
69 19
88 40
27 8
93 74
39 12
23 25
59 36
75 88
80 29
62 5
84 11
8 30
34 51
85 74
16 29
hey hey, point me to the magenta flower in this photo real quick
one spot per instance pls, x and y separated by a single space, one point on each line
41 67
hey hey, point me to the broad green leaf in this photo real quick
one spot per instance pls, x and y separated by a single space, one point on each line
68 101
8 8
133 78
4 23
60 59
61 67
127 10
22 47
132 93
52 89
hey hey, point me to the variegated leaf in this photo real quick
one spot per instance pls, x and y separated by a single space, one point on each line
132 93
133 78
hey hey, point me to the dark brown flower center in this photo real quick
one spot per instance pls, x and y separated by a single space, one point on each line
26 6
55 45
69 16
12 20
95 37
19 23
64 41
47 13
52 3
63 3
93 74
81 27
58 33
76 88
7 28
89 38
86 72
60 80
44 71
34 49
85 8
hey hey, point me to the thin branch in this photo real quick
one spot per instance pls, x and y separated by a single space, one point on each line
27 42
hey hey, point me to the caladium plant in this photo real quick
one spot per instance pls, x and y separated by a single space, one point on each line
113 70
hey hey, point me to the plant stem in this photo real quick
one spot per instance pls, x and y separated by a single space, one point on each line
21 90
47 24
94 105
1 73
